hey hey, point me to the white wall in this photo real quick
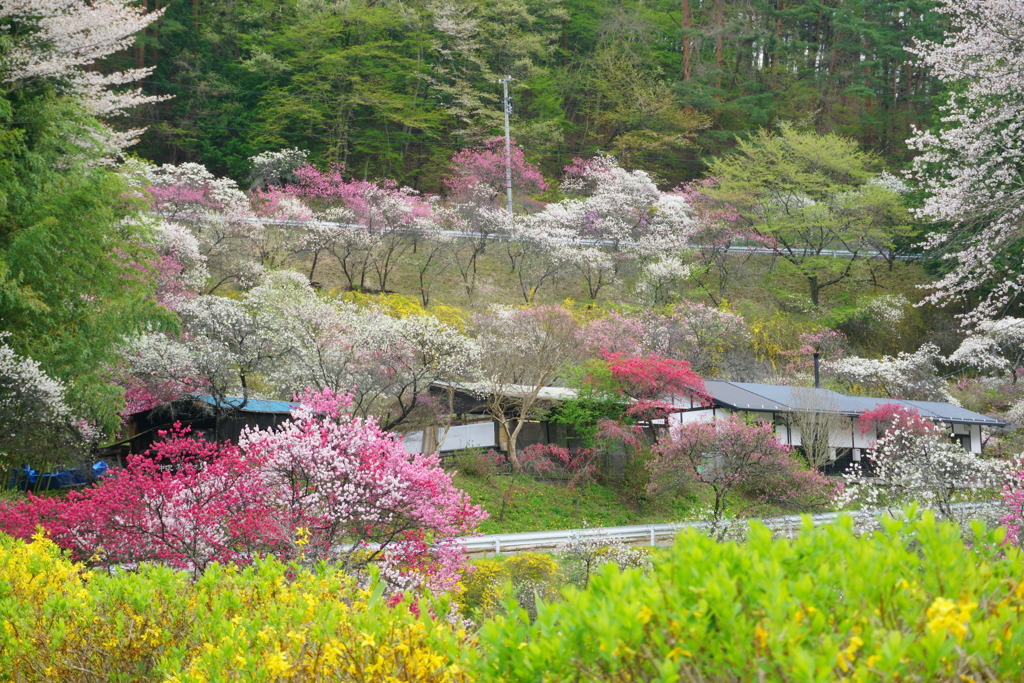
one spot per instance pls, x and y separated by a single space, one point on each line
413 442
478 434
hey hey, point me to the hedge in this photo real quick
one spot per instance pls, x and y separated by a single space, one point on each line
912 602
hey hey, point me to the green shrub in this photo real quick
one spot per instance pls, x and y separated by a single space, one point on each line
909 603
472 462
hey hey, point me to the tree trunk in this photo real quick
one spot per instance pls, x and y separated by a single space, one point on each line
687 24
815 289
512 436
719 25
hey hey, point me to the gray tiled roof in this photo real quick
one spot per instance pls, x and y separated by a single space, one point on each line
785 399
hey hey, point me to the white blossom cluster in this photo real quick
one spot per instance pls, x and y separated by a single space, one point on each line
614 213
586 550
906 375
56 40
970 166
928 468
994 347
890 182
890 309
34 413
661 279
275 168
281 337
980 353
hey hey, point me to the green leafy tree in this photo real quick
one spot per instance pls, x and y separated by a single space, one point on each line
75 277
813 197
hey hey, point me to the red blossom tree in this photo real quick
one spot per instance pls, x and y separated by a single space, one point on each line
650 383
889 416
322 486
187 503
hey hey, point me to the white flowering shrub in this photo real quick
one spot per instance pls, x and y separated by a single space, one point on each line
995 347
890 182
917 461
37 427
586 550
276 168
890 309
661 279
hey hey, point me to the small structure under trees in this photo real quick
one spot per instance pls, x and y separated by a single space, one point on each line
207 418
840 437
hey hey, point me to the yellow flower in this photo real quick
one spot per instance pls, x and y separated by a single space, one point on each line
277 664
944 615
760 637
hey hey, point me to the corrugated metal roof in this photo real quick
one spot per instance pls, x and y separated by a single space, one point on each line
785 399
514 390
947 412
252 405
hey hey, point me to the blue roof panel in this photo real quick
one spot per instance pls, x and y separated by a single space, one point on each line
252 405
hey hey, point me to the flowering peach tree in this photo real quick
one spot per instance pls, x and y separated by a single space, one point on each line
916 460
727 457
322 486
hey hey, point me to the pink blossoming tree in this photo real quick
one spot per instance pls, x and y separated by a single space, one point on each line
729 457
322 486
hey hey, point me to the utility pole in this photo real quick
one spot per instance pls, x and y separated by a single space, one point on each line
507 107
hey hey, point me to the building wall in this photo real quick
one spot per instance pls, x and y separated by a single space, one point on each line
476 435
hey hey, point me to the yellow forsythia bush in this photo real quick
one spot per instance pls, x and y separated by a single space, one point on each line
267 622
483 591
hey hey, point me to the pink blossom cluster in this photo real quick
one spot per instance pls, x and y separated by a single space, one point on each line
486 166
322 486
1013 499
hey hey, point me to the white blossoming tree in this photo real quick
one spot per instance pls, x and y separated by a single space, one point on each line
917 461
905 375
995 346
61 41
613 214
970 166
37 427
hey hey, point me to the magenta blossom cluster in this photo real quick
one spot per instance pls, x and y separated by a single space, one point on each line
322 486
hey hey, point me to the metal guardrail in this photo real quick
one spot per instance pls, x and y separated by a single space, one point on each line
735 249
663 534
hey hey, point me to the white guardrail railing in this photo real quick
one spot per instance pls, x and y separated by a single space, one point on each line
733 249
664 534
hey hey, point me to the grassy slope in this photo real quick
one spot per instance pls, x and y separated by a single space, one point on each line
540 506
758 280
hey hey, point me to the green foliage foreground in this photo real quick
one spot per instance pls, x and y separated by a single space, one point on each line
912 602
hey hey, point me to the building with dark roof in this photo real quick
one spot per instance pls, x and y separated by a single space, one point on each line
210 418
779 405
782 405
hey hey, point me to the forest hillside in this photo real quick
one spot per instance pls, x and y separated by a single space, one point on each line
392 89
